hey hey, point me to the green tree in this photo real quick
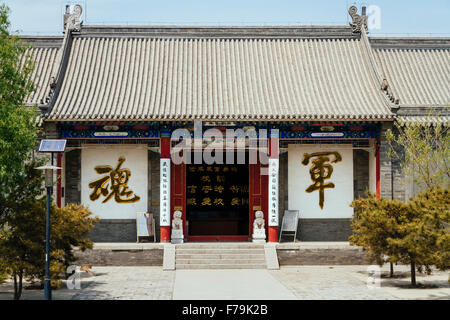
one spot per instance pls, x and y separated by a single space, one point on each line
18 131
425 234
22 241
414 233
423 150
375 222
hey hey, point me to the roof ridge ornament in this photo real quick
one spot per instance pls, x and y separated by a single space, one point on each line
45 101
358 21
72 19
388 91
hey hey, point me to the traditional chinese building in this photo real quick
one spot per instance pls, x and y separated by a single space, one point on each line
322 97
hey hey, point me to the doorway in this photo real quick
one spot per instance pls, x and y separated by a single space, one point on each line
217 202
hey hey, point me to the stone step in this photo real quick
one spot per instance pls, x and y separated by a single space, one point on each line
220 251
219 256
221 261
221 266
218 246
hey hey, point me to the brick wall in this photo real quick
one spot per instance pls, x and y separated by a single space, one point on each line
399 181
324 229
114 230
50 130
283 195
360 173
105 257
153 188
73 177
320 256
385 163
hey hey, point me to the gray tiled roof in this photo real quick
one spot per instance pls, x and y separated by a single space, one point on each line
43 51
445 120
143 78
417 70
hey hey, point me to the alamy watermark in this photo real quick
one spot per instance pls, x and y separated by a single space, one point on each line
373 17
229 146
74 280
374 278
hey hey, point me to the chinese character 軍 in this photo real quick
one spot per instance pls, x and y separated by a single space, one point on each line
320 171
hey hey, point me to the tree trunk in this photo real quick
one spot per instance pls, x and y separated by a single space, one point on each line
19 293
18 285
15 287
413 273
391 272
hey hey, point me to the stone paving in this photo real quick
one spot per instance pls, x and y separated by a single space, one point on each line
110 283
137 283
300 282
322 282
242 284
350 283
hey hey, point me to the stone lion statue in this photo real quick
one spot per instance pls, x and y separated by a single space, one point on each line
177 222
259 220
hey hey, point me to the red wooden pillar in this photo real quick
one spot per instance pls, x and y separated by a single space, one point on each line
178 190
165 191
59 182
273 188
377 164
257 193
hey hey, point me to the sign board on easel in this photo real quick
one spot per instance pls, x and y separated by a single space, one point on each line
145 225
289 223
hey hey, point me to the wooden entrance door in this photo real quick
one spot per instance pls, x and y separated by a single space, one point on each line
258 199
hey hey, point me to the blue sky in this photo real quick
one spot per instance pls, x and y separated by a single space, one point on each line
399 17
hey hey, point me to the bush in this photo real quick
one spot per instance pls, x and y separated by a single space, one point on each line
374 223
22 249
416 233
3 276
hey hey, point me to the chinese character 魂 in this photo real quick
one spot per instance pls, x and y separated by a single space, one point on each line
116 181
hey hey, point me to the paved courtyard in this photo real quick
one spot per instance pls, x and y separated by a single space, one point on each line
288 283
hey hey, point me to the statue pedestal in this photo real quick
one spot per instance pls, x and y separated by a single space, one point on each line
177 236
259 236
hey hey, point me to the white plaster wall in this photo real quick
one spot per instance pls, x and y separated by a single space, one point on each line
135 161
337 199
